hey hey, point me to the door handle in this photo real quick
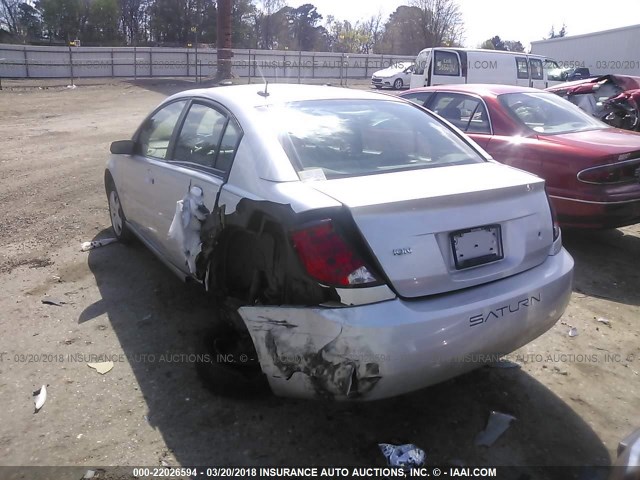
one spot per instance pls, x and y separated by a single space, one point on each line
148 178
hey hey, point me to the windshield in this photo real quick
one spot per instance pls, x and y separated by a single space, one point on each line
338 138
554 72
548 113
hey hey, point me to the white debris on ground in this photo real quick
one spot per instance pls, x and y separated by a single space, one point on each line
41 397
86 246
101 367
404 456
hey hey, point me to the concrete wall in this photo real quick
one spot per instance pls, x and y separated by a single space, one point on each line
610 51
17 61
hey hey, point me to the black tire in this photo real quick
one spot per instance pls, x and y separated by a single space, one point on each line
398 84
118 220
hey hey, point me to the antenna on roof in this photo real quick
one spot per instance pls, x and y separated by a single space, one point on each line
265 93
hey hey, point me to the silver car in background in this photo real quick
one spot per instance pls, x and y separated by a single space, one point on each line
368 248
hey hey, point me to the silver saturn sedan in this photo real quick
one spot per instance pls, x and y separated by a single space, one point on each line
361 246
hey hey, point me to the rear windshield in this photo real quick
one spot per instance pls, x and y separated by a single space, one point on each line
548 113
360 137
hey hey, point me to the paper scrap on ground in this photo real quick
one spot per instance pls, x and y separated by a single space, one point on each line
41 397
101 367
405 456
498 424
86 246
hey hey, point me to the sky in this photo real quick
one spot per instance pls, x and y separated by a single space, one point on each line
522 20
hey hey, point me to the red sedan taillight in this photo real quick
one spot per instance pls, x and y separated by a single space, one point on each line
620 172
554 219
328 258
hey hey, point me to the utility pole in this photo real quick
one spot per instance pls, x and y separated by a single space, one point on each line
223 40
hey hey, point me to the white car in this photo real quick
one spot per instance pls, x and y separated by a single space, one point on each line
396 76
368 247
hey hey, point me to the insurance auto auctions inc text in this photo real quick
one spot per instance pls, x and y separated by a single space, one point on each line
377 472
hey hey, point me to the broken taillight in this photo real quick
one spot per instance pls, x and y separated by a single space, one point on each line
620 172
328 258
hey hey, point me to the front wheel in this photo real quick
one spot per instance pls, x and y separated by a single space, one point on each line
118 220
397 84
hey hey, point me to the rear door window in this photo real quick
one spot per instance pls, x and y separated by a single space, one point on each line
199 138
536 69
465 112
419 98
228 146
523 68
446 63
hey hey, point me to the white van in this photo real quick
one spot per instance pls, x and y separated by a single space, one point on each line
444 66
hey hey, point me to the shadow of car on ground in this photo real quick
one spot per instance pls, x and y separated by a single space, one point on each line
153 313
605 264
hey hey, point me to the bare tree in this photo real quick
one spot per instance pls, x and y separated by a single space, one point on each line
132 12
9 14
441 22
372 30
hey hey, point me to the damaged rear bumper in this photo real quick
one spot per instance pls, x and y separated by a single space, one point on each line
389 348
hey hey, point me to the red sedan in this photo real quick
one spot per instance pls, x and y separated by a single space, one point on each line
592 170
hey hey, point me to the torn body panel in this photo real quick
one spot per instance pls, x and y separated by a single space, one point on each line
247 255
187 224
377 351
614 99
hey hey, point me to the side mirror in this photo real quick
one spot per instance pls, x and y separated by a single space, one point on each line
123 147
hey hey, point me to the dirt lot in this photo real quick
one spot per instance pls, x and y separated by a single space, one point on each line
574 397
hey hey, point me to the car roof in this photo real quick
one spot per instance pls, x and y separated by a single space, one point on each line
248 96
483 89
627 82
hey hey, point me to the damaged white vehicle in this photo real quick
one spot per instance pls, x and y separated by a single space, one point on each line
368 248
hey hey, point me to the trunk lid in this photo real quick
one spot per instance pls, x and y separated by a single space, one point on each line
604 142
409 221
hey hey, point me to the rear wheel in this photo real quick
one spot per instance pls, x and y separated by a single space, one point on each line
229 365
118 220
397 84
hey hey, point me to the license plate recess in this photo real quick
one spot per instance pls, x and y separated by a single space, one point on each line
476 246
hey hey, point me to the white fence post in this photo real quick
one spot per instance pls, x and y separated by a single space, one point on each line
71 63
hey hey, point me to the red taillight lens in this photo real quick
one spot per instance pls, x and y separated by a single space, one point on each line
554 219
328 258
615 173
